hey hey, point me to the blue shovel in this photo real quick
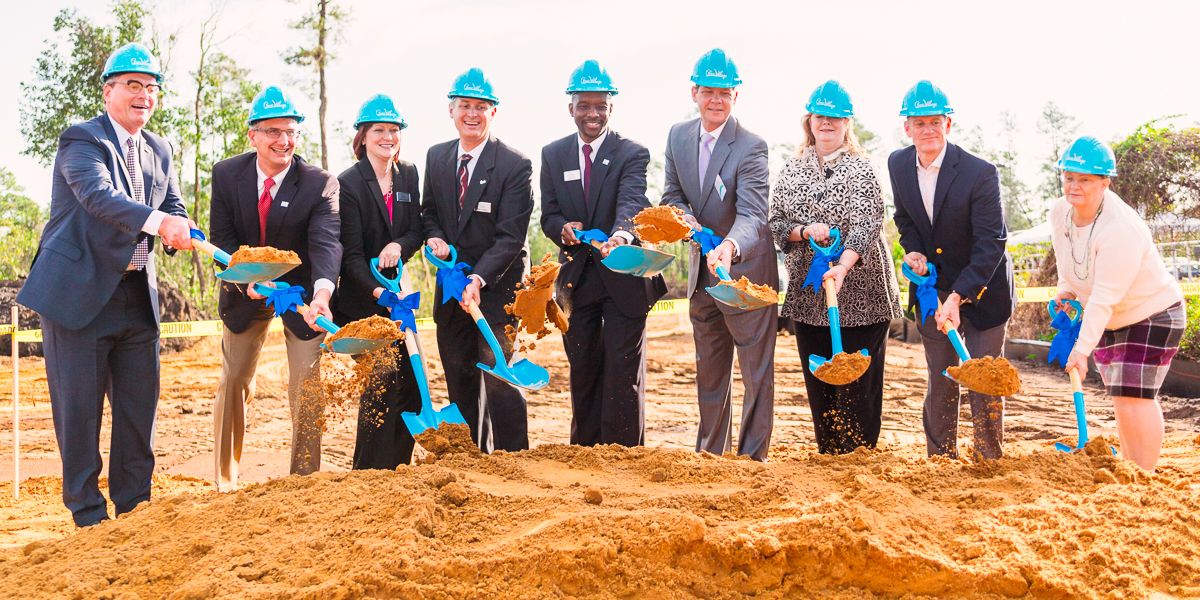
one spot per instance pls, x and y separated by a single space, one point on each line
628 259
346 345
728 294
825 253
248 272
522 373
1076 383
950 330
428 418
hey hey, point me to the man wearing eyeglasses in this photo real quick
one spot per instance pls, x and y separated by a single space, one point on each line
93 283
271 197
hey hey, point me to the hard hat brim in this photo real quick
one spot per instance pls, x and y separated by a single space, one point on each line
1107 172
362 122
492 99
927 112
157 76
574 90
700 81
298 117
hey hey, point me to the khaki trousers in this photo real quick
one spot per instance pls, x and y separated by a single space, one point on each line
239 363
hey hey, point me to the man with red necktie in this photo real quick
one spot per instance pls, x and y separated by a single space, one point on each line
478 197
270 197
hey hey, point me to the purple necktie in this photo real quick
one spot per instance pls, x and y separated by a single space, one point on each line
587 169
705 154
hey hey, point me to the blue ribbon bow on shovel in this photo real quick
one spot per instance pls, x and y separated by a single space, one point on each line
402 308
591 235
707 239
822 257
927 296
453 281
1068 332
283 300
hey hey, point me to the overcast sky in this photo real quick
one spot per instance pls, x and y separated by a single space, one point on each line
1112 65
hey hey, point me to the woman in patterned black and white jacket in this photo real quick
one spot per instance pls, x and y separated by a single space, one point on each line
831 184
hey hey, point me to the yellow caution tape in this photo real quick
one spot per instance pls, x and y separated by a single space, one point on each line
662 307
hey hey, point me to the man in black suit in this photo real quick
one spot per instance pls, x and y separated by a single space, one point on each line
478 197
94 286
596 179
949 215
300 206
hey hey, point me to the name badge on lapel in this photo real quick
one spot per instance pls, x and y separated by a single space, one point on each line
283 204
571 175
720 187
605 161
483 207
403 197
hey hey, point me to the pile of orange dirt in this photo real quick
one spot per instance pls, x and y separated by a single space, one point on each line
843 368
612 522
373 327
447 439
534 304
661 225
263 254
987 375
762 292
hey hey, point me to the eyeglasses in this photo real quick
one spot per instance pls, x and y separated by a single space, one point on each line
135 86
274 133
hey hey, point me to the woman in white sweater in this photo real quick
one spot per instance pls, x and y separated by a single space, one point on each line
1133 317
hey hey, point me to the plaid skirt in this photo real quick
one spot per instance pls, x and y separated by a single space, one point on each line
1134 360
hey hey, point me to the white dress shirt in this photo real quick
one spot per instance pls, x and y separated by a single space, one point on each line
322 283
595 144
474 152
716 135
154 221
927 180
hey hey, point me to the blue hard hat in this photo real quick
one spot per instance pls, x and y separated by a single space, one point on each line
925 99
132 58
716 70
830 100
1090 156
379 109
591 77
273 103
473 84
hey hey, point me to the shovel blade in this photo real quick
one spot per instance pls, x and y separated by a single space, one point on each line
637 261
815 362
1063 447
523 374
727 294
353 345
418 423
254 272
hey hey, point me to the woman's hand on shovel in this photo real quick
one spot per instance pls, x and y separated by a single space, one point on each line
948 311
1078 361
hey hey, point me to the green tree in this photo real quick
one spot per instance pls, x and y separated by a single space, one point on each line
1158 169
326 21
21 223
1058 127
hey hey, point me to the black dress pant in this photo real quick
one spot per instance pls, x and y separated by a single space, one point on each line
845 416
494 409
607 353
383 440
114 355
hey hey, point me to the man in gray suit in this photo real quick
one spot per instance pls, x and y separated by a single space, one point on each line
716 172
93 284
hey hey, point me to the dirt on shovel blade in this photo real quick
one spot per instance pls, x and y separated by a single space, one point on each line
843 368
987 375
263 254
661 225
373 327
762 292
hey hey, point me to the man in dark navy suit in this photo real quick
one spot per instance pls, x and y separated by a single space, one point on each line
949 215
478 197
596 179
94 285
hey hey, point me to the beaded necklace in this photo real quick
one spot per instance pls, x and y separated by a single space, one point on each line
1087 249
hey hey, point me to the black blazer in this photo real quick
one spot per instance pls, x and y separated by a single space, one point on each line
616 194
489 232
966 240
365 232
303 219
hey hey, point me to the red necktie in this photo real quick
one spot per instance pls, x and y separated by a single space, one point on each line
388 198
462 178
264 208
587 169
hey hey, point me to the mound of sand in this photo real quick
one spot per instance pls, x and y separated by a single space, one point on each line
611 522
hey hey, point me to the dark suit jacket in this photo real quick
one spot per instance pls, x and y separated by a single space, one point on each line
617 193
303 219
489 232
966 240
366 231
95 224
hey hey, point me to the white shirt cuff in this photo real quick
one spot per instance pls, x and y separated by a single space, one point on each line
482 283
153 222
737 250
625 235
323 284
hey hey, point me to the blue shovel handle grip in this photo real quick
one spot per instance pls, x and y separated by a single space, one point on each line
392 285
1073 304
832 248
918 279
439 263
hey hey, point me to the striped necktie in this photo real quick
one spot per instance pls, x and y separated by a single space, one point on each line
141 254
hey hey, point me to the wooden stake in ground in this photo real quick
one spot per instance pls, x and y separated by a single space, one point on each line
16 378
